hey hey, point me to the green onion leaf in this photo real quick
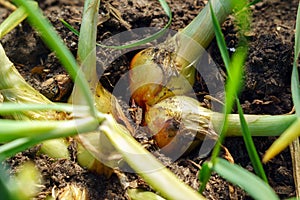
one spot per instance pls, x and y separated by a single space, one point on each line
13 20
204 175
156 35
252 153
54 42
295 74
237 175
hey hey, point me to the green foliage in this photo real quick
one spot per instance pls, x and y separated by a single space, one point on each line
54 42
13 20
243 178
5 186
204 175
255 160
234 68
295 74
21 186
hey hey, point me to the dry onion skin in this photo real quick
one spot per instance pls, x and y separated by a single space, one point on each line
70 191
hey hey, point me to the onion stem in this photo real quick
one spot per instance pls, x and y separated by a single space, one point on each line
201 28
259 125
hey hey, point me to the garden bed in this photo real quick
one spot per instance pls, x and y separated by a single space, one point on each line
266 90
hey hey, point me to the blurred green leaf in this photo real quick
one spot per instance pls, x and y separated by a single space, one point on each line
234 69
252 153
13 20
286 138
9 190
156 35
254 2
27 138
204 175
6 186
295 75
237 175
9 108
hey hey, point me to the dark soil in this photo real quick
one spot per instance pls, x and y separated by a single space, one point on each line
266 90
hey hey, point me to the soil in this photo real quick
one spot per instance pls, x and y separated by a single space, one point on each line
266 89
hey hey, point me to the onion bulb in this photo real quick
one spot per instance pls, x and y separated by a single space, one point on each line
156 73
168 69
179 123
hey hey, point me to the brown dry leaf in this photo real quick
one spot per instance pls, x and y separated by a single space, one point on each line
70 192
118 15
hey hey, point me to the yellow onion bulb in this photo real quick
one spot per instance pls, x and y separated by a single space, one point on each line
179 124
156 73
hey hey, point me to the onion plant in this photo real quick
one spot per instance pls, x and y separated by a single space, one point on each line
64 121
